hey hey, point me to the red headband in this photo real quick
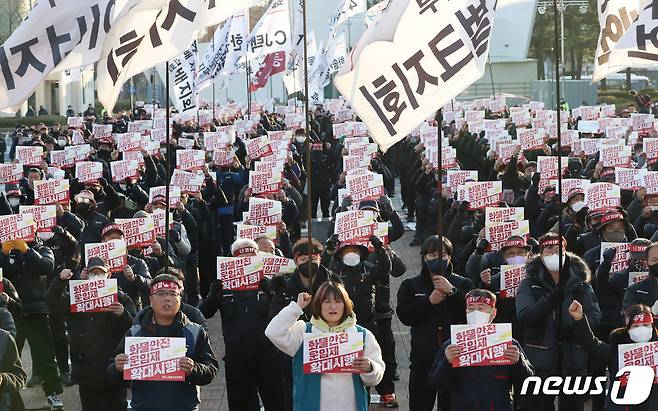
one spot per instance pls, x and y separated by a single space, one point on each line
244 250
644 318
165 285
515 243
611 216
634 248
481 299
549 242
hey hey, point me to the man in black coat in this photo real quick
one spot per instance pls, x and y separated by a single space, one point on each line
27 266
89 353
430 303
479 388
12 374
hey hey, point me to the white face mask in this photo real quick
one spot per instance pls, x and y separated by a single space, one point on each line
477 318
351 259
123 186
577 206
517 259
640 334
98 277
13 201
552 262
300 139
61 143
45 236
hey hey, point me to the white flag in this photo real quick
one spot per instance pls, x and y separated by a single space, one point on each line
182 73
347 9
294 77
43 40
146 37
272 33
615 18
414 61
638 47
237 48
214 59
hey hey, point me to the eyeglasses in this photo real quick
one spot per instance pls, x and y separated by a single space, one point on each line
165 294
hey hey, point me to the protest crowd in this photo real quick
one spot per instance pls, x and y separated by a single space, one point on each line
111 299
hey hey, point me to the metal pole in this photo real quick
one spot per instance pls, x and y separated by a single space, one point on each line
167 163
559 135
493 89
309 210
132 90
439 217
213 100
248 88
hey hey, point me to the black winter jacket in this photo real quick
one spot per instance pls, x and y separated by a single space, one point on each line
29 272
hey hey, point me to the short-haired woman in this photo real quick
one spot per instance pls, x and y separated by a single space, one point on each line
332 312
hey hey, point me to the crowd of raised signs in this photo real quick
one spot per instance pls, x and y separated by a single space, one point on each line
89 197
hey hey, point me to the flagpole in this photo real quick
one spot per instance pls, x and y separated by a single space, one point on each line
167 163
439 216
213 85
559 131
493 90
309 211
248 88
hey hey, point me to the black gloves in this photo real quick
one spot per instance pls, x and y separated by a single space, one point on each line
174 236
535 178
376 242
609 255
332 242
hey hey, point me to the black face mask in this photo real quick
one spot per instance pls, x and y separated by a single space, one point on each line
653 270
84 210
104 154
308 269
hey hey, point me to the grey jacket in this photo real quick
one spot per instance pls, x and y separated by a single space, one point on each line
547 326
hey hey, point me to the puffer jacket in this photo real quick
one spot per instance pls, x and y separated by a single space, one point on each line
29 272
547 327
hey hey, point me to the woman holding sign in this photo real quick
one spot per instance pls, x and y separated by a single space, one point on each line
324 381
638 331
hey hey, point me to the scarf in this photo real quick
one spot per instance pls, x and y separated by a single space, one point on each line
320 324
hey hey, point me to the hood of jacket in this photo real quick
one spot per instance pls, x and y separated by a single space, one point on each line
579 270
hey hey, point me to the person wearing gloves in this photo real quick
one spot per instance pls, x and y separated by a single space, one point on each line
135 277
332 312
430 303
638 328
27 266
542 304
89 353
645 292
617 283
475 388
613 228
250 357
199 364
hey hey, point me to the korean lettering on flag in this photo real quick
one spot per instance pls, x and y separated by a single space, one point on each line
615 18
638 46
17 227
273 63
481 345
45 216
154 358
92 296
183 70
601 196
357 226
332 353
393 88
51 192
510 278
42 42
639 354
214 59
481 194
235 59
272 33
138 232
11 173
497 233
114 251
